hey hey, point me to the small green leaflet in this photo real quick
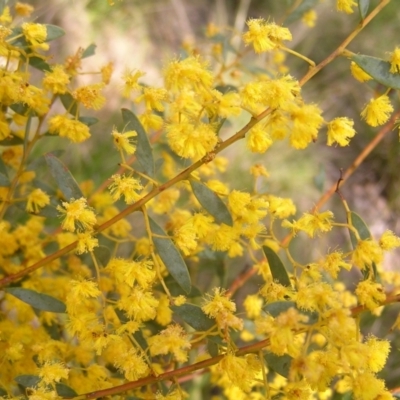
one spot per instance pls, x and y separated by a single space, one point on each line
171 257
69 103
30 381
278 270
53 32
40 301
65 181
280 364
363 6
89 51
210 201
194 316
378 69
144 152
358 223
39 63
102 254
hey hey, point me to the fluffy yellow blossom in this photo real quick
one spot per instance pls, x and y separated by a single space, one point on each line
131 272
370 294
389 241
153 98
23 9
253 305
56 80
311 224
126 186
173 340
53 372
140 305
258 139
77 215
309 18
334 262
37 199
265 36
106 72
185 238
164 311
340 130
191 141
318 296
281 207
395 61
150 120
129 361
359 73
86 242
219 307
258 170
165 201
35 34
366 253
73 129
377 111
123 141
90 96
346 6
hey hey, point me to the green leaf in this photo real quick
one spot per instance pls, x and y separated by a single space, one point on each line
358 223
226 88
53 32
144 152
298 13
103 255
276 267
89 51
3 392
212 348
320 178
65 391
27 380
171 257
194 316
63 177
49 211
39 63
19 108
37 300
280 364
88 121
69 103
363 6
378 69
210 201
19 40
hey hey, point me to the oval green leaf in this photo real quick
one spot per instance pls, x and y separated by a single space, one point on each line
11 141
89 121
53 32
171 257
37 300
280 364
144 152
69 103
358 223
27 381
278 270
63 177
39 63
210 201
89 51
65 391
363 6
194 316
102 254
378 69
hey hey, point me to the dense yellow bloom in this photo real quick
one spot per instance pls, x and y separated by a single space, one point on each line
311 224
370 294
86 242
23 9
57 80
53 372
346 6
318 296
35 34
90 96
123 141
191 141
192 72
165 201
173 340
77 215
131 272
307 120
253 305
389 241
281 207
247 209
73 129
377 111
309 18
219 307
185 238
37 199
129 361
106 72
395 61
258 139
340 130
140 304
126 186
359 73
366 253
258 170
333 262
151 121
265 36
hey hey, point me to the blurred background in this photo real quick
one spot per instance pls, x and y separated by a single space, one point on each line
144 34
